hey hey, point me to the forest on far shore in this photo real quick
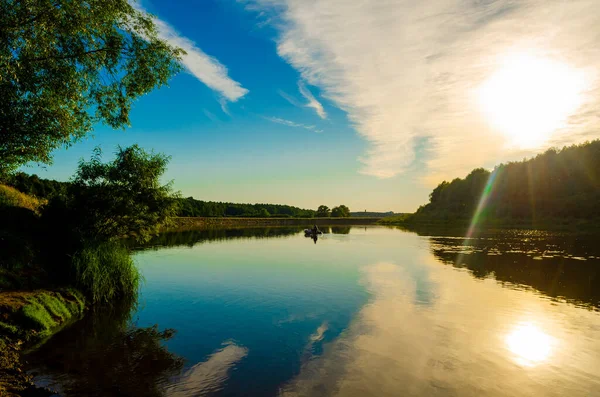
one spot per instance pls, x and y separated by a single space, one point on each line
46 189
559 184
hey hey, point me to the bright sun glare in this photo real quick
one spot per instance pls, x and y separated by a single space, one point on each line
529 344
530 97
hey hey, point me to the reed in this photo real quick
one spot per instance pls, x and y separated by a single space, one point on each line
106 273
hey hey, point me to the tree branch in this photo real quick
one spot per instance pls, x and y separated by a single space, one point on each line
81 54
33 19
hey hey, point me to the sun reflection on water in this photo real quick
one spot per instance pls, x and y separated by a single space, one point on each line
529 344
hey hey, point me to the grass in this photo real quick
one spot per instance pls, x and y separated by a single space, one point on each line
8 329
106 272
38 317
40 312
394 220
11 197
30 316
56 307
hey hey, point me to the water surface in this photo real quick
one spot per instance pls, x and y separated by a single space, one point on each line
363 311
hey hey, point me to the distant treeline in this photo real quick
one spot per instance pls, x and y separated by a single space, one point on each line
192 207
366 214
189 207
36 186
556 185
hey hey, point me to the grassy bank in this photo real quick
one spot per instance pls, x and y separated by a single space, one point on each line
11 197
188 223
27 318
46 279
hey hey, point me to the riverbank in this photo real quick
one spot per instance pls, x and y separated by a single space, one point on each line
413 222
189 223
28 318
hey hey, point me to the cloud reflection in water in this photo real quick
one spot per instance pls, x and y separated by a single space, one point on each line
208 377
465 343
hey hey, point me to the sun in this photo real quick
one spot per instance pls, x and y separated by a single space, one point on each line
530 97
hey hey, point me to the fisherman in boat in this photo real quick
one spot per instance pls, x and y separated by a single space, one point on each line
315 229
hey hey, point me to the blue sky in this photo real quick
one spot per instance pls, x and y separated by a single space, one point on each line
368 104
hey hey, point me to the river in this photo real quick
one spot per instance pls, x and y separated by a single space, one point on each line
362 311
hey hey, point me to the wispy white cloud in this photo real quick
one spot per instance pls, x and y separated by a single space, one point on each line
408 70
289 98
290 123
204 67
224 107
206 377
312 101
210 115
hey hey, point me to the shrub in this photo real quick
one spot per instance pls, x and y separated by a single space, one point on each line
105 272
121 198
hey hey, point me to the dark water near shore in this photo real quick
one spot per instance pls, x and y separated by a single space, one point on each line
364 311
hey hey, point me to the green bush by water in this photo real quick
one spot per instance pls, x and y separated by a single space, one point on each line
106 272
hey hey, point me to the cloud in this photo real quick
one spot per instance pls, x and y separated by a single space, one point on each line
224 108
289 98
392 347
204 67
210 115
290 123
312 101
207 377
408 71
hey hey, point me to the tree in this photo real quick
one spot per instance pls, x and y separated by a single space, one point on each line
107 201
340 212
323 211
66 65
263 213
557 184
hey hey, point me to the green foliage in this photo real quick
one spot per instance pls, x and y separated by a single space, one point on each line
54 306
106 273
264 213
46 311
391 220
38 316
41 314
323 211
192 208
66 65
372 214
556 185
340 212
40 188
76 302
8 329
121 198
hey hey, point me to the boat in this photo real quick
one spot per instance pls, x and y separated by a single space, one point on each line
310 232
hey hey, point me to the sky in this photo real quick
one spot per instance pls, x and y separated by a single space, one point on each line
366 103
